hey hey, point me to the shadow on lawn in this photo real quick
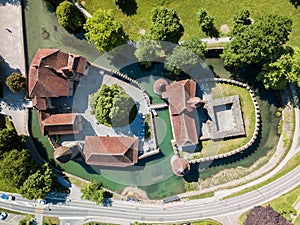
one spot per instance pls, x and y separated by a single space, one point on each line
128 7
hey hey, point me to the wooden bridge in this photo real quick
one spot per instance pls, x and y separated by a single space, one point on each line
158 106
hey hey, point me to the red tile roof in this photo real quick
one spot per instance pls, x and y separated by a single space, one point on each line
120 151
58 123
182 103
49 72
179 93
160 86
60 119
39 103
180 166
62 154
184 129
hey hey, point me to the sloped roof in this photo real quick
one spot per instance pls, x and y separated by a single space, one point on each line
180 167
182 103
160 86
120 151
39 103
60 119
178 93
62 154
58 123
184 129
49 72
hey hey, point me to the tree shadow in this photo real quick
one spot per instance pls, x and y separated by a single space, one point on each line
295 3
12 2
128 7
248 74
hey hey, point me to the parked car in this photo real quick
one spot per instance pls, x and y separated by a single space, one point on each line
3 215
154 112
42 201
7 197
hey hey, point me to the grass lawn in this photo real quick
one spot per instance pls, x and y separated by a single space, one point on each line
223 11
248 112
204 195
291 198
50 220
292 164
198 222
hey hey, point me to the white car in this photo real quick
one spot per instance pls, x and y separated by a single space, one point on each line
3 215
154 112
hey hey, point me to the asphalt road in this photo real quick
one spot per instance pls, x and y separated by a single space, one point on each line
181 211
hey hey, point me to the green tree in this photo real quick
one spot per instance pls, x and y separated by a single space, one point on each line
207 23
285 210
241 20
69 16
286 69
104 30
93 192
39 184
259 43
114 106
9 140
16 82
196 46
16 166
147 51
180 60
165 25
295 3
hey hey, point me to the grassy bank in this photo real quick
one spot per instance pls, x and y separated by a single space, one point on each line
292 164
136 15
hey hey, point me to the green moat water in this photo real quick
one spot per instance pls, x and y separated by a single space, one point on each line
43 32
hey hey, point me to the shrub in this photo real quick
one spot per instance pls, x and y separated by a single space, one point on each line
69 16
16 82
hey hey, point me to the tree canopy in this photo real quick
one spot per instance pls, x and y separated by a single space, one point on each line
93 192
180 60
39 184
165 25
264 215
207 23
9 140
113 106
104 30
16 82
16 166
69 16
147 51
258 43
195 45
286 69
241 20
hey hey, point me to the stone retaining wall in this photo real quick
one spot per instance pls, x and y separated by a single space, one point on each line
257 121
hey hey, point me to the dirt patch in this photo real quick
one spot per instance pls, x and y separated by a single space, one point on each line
224 29
142 31
135 193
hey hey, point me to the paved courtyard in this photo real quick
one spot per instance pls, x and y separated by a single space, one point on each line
88 85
